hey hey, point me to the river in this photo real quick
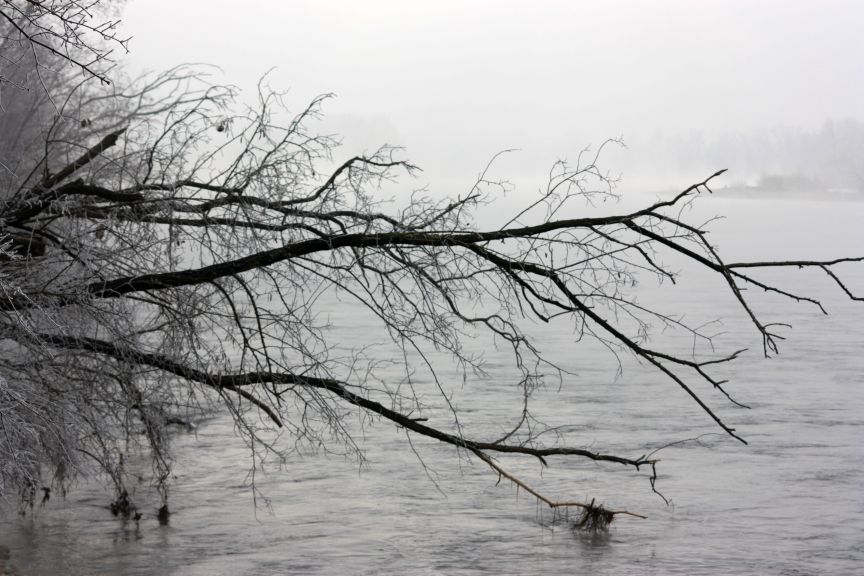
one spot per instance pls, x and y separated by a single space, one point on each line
791 502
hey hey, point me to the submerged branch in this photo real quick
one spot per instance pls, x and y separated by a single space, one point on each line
588 506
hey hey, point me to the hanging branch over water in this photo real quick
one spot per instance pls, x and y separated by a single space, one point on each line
594 517
184 251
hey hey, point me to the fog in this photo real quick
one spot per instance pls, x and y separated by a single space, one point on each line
456 82
175 290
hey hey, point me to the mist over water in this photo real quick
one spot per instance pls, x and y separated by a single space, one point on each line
788 503
773 91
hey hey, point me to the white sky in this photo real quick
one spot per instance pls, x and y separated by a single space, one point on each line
457 81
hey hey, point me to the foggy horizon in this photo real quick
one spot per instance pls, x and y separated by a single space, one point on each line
456 83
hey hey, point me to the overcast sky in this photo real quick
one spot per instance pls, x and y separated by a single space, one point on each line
456 81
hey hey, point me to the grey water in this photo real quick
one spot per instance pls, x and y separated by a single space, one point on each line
790 502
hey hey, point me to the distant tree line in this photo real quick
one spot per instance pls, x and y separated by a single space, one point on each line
829 157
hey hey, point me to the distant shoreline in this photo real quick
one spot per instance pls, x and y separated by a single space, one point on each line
758 192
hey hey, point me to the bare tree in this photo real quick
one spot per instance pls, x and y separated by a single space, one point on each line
41 38
173 253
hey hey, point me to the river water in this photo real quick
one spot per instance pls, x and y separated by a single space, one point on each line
792 502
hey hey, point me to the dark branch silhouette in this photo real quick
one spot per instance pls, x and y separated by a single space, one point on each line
172 252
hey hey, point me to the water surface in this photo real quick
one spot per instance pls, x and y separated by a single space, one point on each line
789 503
